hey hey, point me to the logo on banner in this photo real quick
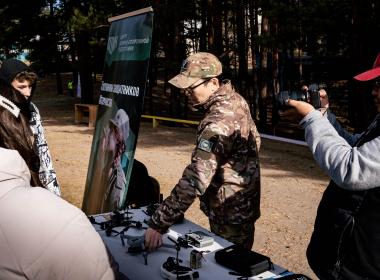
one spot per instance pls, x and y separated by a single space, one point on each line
112 44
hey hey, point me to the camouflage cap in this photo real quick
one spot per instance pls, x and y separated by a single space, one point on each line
201 65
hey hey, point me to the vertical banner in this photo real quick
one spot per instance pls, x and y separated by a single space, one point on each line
120 107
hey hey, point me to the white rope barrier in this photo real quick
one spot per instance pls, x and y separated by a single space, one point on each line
283 139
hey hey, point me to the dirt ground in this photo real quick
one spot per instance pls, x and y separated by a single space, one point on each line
292 184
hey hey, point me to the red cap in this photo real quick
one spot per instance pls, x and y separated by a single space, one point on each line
370 74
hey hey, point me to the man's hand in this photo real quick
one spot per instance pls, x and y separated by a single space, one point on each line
153 239
324 98
299 109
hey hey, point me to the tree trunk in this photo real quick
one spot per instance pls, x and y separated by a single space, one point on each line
215 26
203 29
58 61
241 44
58 75
253 11
263 77
84 59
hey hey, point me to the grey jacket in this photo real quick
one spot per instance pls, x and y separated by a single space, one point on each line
351 168
41 235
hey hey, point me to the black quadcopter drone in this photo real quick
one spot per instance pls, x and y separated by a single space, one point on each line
117 219
170 269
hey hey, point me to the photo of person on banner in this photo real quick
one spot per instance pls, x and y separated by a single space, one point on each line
111 164
114 143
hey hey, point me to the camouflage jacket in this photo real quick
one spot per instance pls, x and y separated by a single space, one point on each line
224 170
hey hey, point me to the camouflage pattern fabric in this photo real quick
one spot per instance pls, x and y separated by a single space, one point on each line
197 66
242 234
224 171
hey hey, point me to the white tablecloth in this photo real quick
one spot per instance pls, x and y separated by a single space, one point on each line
133 265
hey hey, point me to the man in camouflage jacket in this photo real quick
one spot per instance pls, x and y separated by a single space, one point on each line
224 170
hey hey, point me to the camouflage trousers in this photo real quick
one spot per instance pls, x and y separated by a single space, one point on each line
242 234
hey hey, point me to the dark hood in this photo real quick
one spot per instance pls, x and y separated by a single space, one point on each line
10 68
8 71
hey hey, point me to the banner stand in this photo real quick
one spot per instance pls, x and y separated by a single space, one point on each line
130 14
121 99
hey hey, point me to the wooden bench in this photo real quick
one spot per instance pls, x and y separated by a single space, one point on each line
82 109
156 120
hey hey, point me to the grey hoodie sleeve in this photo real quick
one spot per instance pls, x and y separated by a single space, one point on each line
352 168
350 138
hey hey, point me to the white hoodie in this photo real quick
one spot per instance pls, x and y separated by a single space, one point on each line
41 235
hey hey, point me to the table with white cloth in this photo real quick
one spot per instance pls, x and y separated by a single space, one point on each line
133 265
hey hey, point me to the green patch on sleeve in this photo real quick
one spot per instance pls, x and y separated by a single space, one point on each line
206 145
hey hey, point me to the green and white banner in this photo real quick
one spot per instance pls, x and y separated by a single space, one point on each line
120 106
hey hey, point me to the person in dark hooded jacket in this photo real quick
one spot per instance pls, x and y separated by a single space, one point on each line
22 78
